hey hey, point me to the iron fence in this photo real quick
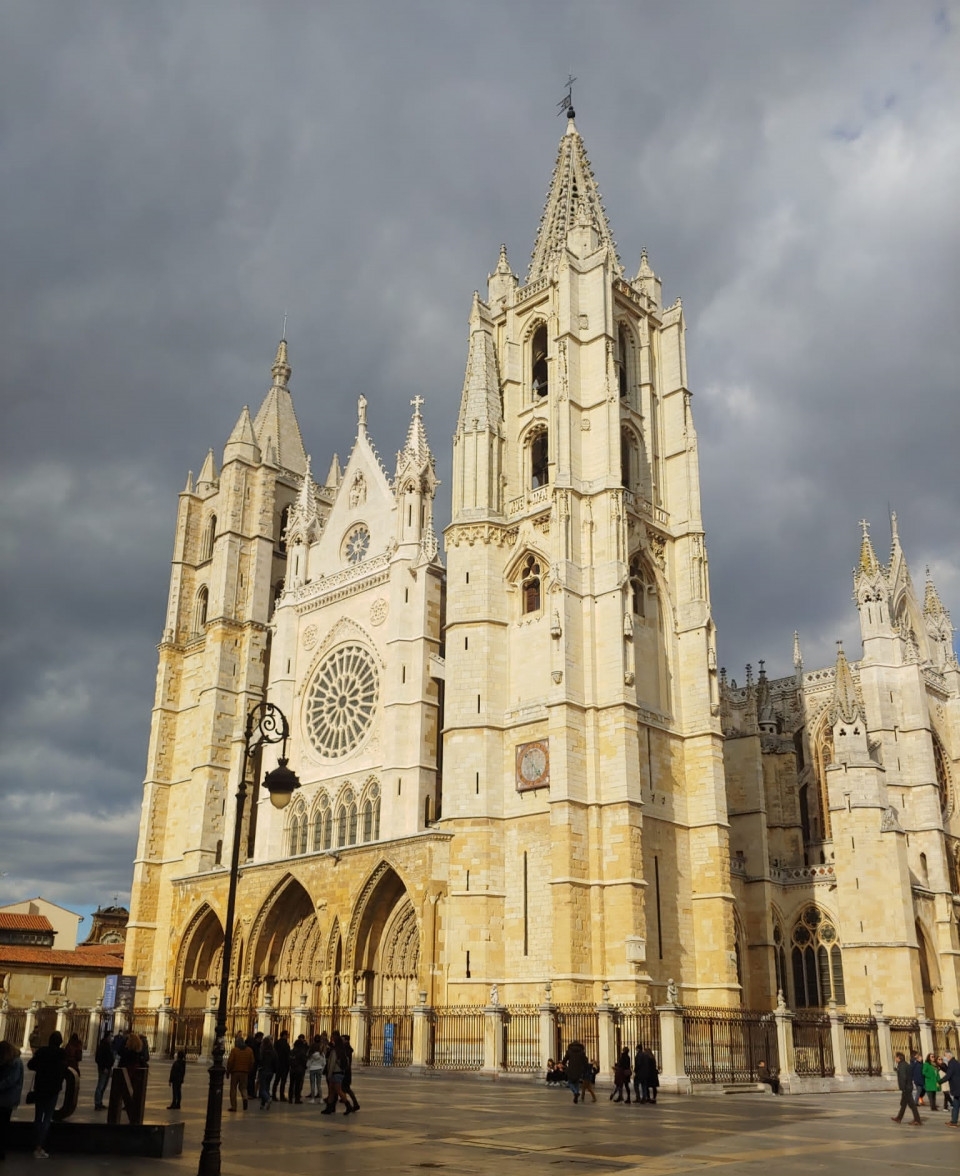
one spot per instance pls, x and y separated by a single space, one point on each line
46 1023
905 1035
638 1025
16 1026
862 1045
456 1038
143 1022
241 1022
813 1044
327 1018
389 1039
77 1021
281 1018
578 1022
521 1039
727 1045
187 1033
944 1037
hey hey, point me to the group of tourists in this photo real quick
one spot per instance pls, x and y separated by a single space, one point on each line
578 1074
921 1079
260 1066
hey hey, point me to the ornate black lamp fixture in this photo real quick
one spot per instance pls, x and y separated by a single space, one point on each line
266 723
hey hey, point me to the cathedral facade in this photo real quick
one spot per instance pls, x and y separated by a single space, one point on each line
521 767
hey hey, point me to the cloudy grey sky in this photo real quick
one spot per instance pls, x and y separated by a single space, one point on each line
177 175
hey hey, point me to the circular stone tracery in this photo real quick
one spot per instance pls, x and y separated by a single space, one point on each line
341 701
357 544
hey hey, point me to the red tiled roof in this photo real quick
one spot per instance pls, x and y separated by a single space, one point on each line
50 957
17 922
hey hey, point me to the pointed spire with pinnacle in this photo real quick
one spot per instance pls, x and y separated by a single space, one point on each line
573 198
242 442
415 458
932 604
869 564
480 403
207 478
276 428
797 654
334 474
845 706
304 520
188 489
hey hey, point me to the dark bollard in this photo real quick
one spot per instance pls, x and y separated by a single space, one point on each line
128 1093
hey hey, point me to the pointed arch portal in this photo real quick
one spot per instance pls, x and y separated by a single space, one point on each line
200 959
386 951
284 957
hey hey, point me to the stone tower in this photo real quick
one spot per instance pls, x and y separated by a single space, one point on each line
229 559
582 746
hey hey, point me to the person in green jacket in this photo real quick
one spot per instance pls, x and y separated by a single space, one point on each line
931 1080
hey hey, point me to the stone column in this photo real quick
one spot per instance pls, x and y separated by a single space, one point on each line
62 1013
788 1060
607 1047
265 1016
300 1023
164 1028
422 1018
493 1022
359 1029
29 1024
209 1030
93 1029
673 1074
123 1016
887 1068
4 1007
548 1028
926 1032
838 1041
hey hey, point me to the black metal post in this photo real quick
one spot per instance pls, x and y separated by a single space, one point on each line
271 725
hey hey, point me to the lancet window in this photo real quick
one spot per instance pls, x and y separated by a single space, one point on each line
200 609
210 533
641 583
371 815
819 814
817 961
297 842
539 459
282 529
347 821
530 586
942 776
538 363
622 369
323 826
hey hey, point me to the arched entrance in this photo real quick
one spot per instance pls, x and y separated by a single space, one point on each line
284 957
200 959
386 942
928 976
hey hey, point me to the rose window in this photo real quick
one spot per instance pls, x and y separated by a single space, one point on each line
357 544
341 701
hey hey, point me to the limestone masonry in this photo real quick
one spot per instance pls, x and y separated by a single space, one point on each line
524 768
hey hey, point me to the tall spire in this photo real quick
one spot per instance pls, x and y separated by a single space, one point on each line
932 604
797 654
869 564
276 427
573 199
845 706
304 520
480 399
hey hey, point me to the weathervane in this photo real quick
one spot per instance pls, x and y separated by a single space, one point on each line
566 102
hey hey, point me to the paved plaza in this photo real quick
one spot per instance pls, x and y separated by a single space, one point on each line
513 1128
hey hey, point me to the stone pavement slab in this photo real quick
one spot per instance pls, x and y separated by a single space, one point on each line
455 1124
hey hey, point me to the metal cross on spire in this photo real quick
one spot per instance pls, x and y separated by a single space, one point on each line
417 401
566 102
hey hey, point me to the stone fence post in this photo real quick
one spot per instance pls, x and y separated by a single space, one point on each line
164 1028
209 1030
548 1029
673 1074
299 1021
494 1018
4 1006
838 1041
887 1068
359 1027
123 1016
63 1012
93 1028
926 1031
29 1024
422 1019
607 1043
265 1016
788 1059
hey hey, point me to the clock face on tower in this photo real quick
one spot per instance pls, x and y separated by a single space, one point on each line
533 765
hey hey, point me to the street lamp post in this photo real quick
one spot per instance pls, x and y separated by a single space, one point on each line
266 723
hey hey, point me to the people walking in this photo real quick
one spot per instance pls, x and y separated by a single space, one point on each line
253 1042
348 1072
178 1071
73 1052
104 1059
916 1076
637 1063
298 1068
905 1085
621 1078
240 1063
649 1076
282 1048
931 1080
268 1067
335 1070
316 1064
575 1066
11 1087
588 1084
951 1076
49 1065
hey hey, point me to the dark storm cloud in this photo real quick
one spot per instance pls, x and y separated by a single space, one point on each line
177 176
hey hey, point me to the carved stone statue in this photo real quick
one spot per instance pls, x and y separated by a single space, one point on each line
494 996
673 996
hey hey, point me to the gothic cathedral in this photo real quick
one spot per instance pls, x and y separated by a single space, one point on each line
522 771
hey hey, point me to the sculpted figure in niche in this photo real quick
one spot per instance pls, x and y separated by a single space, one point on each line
358 491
